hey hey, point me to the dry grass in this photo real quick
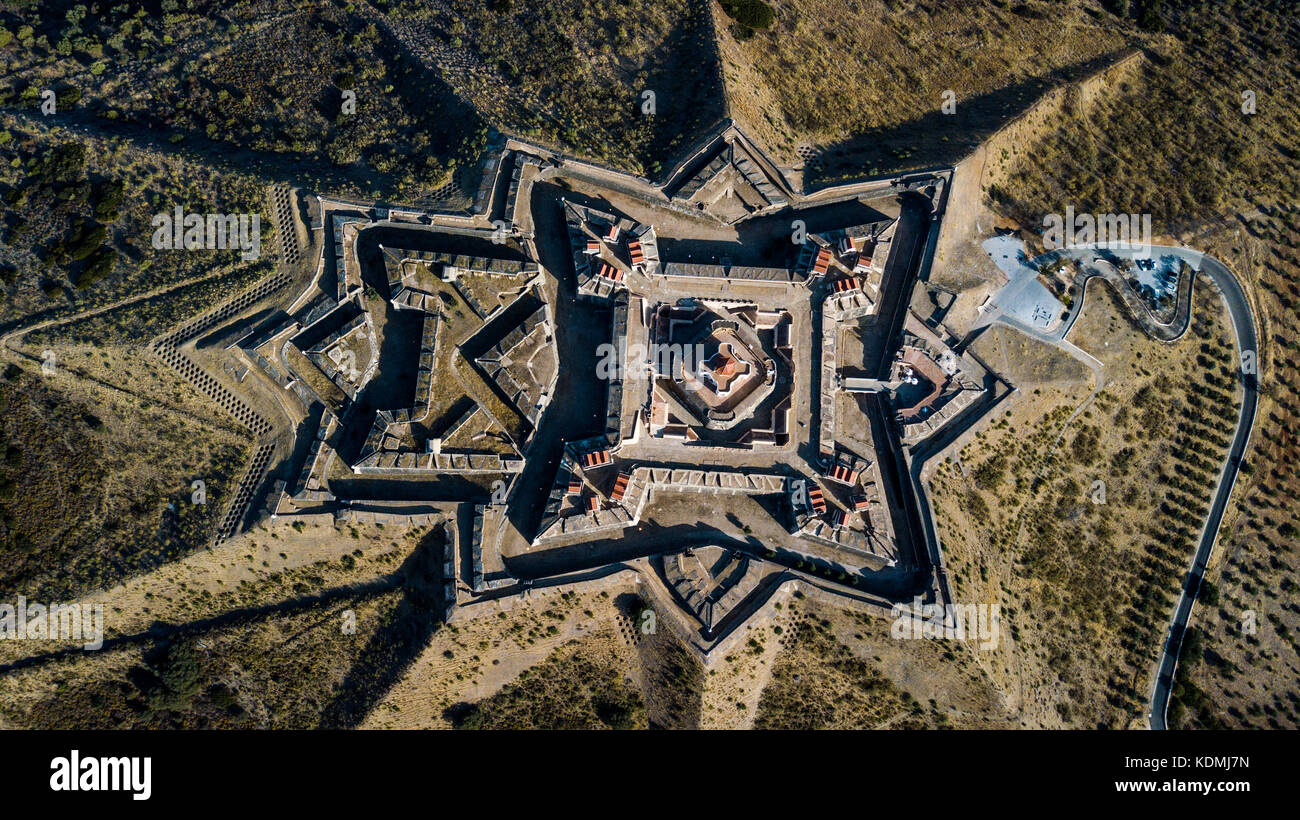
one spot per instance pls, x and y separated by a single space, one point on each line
837 669
1181 148
88 500
845 74
260 86
572 73
1086 588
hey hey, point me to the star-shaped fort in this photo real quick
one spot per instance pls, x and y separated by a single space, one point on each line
718 385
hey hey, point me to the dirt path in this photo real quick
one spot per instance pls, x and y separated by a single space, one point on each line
123 302
191 589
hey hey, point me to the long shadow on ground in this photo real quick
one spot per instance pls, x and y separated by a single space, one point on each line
160 631
382 662
395 645
937 138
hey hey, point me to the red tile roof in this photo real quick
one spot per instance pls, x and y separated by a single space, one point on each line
823 261
620 486
818 502
843 474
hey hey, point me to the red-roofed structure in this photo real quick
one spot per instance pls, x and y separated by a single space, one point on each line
817 500
620 486
865 257
823 261
843 475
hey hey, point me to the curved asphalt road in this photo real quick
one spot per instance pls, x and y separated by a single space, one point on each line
1244 325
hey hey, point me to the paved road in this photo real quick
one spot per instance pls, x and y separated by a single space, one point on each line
1093 265
1244 325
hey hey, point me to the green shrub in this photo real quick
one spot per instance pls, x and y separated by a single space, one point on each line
108 199
752 13
1150 18
98 265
